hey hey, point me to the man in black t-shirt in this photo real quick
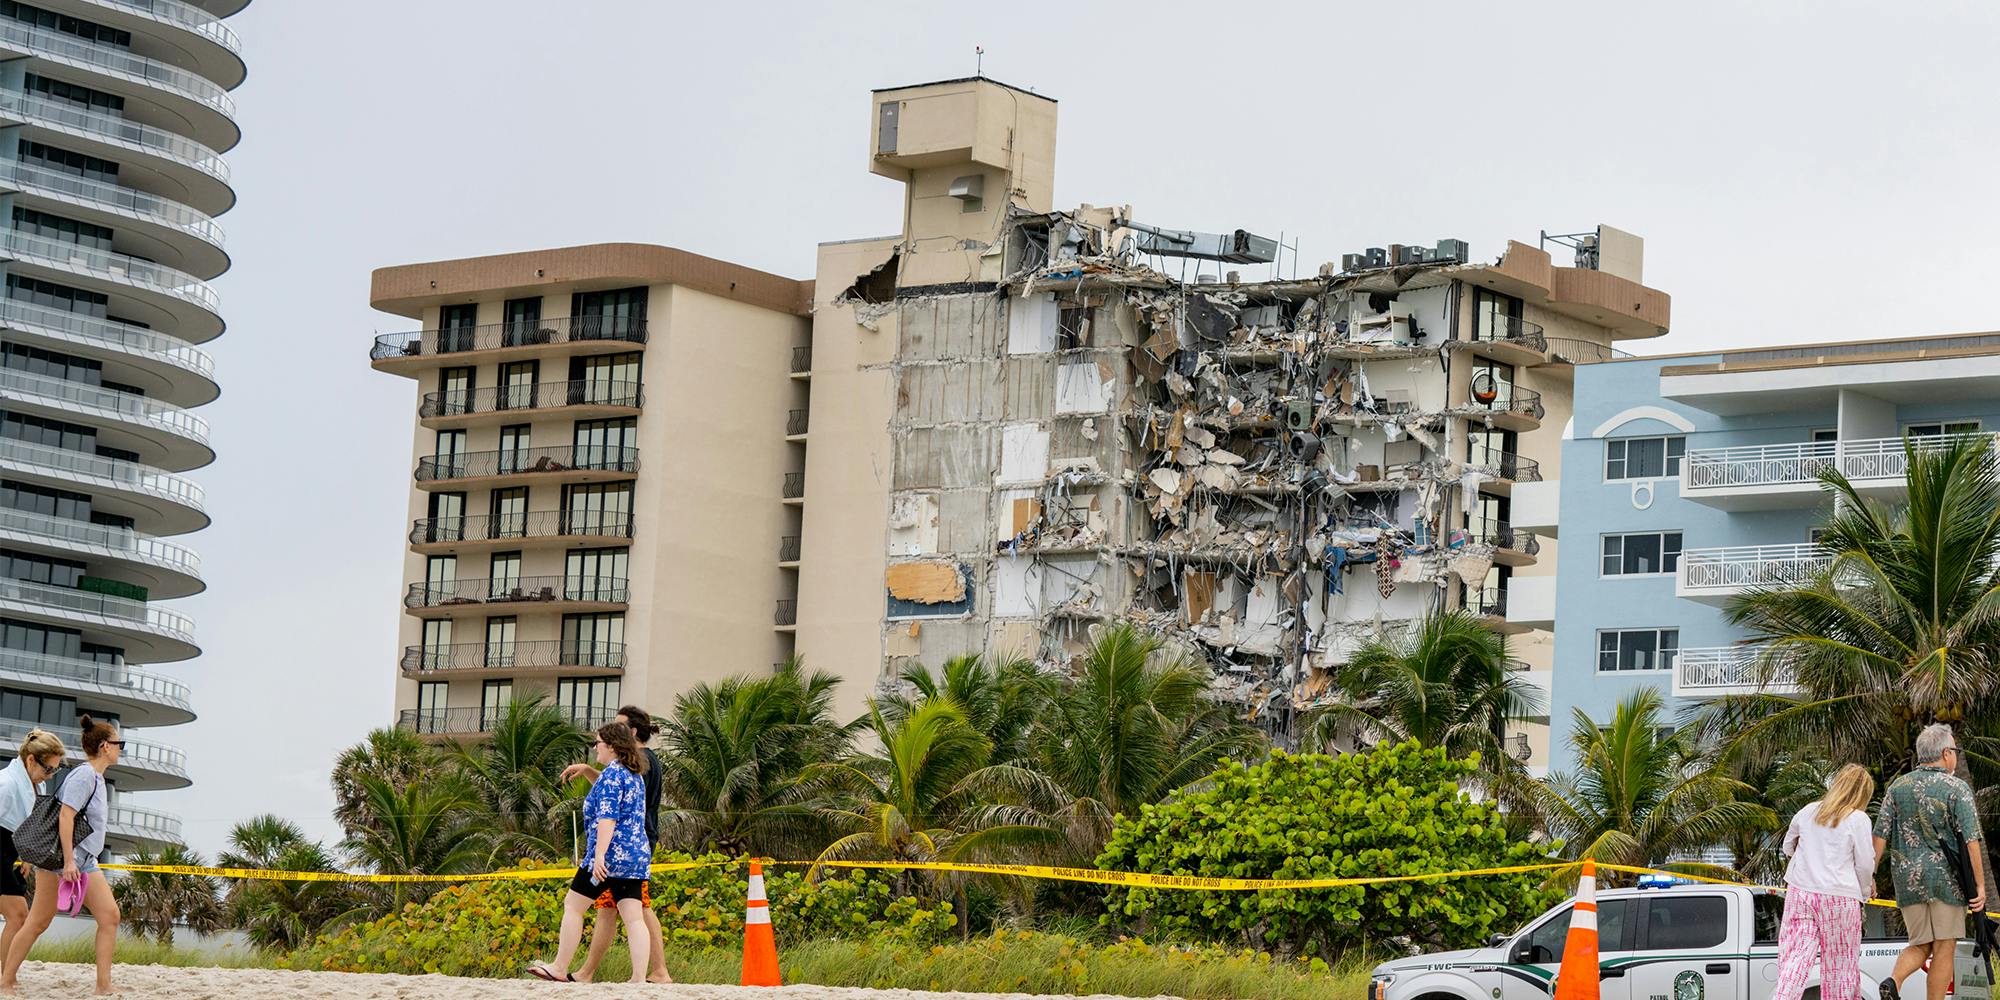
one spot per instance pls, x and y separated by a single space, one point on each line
607 916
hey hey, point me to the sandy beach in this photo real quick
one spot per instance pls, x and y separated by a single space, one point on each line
147 982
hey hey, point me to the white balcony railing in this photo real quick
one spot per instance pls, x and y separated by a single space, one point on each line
1727 670
1748 566
1802 463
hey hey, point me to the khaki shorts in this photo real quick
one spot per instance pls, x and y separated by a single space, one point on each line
1934 921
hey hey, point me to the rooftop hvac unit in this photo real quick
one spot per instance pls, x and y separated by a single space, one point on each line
1378 257
1410 255
1237 247
1453 250
1353 261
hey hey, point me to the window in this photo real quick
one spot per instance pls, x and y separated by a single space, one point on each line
1495 378
494 697
50 20
595 574
441 576
588 701
40 709
598 509
1490 597
1072 326
509 509
500 641
35 154
95 100
454 392
436 645
1544 944
611 379
40 569
521 322
1824 435
1943 428
605 444
611 315
455 326
505 572
447 518
517 385
1685 923
1494 448
45 501
62 297
1767 911
594 640
1641 554
51 364
47 640
1494 316
57 227
1643 458
514 447
450 456
1638 649
431 706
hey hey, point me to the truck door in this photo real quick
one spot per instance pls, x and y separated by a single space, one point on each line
1535 956
1684 950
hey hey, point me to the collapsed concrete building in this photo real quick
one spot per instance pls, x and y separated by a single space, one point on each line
1025 422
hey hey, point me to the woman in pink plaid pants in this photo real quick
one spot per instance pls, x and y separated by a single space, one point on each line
1832 847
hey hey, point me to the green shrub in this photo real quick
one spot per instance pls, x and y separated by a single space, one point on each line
494 929
1396 810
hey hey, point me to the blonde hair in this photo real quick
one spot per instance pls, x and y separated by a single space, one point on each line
42 744
1850 790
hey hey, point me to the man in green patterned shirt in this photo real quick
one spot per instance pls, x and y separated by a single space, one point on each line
1923 812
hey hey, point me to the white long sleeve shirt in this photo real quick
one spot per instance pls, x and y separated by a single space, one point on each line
17 795
1831 860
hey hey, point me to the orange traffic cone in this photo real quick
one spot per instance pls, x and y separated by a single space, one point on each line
1577 979
760 944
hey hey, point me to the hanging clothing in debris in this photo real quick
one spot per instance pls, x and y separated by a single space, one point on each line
1385 567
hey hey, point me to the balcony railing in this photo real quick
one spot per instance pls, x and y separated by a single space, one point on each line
533 524
112 266
542 396
527 461
788 548
1500 534
1523 750
493 336
516 590
456 721
118 542
1728 668
151 824
795 485
109 471
121 611
119 405
1581 352
1752 565
122 337
787 613
543 654
1487 603
142 755
802 359
110 678
114 198
795 422
185 16
1497 329
1509 466
1506 399
115 61
1802 463
67 116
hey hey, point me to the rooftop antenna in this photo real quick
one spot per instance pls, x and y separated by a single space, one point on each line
979 60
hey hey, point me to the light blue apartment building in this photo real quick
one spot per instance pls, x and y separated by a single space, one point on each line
1688 480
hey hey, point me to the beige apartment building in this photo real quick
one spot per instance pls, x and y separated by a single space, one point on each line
598 462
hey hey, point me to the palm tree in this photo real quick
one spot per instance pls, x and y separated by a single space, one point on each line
394 755
428 826
1900 630
514 774
1447 683
1642 796
736 759
153 904
1001 699
282 915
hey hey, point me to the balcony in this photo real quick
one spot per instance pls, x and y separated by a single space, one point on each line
506 341
121 204
179 437
1511 408
505 595
1506 468
1491 606
180 568
584 399
1511 546
795 486
588 464
218 54
1717 576
513 659
1712 672
189 164
788 550
61 467
166 358
455 534
193 305
146 829
1508 339
787 615
795 425
141 698
149 634
477 721
1570 351
1769 477
802 360
145 766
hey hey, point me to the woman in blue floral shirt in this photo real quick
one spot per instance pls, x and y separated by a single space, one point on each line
620 856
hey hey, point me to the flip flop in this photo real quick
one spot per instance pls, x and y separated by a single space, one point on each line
540 970
69 895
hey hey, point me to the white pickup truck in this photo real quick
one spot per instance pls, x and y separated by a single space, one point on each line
1685 942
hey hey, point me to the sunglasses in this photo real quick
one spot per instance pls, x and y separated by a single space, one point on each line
120 744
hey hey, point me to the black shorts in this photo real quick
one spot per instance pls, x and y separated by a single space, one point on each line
11 882
619 888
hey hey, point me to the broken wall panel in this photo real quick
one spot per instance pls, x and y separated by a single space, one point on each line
964 520
945 457
950 327
1024 453
954 392
1030 386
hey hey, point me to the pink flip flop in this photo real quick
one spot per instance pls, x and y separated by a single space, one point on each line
69 894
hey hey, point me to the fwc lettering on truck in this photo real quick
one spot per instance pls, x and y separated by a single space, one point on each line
1673 942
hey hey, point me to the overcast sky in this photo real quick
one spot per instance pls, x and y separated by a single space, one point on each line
1800 172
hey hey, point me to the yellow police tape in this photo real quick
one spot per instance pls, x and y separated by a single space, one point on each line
277 875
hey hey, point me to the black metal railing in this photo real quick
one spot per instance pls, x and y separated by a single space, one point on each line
1487 603
802 359
531 524
1574 351
1505 399
1510 466
1502 535
1494 329
1522 750
454 721
515 590
787 613
788 548
540 396
795 422
525 461
519 333
543 654
795 485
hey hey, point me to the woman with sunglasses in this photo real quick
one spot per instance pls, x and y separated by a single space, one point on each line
39 757
619 855
83 793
